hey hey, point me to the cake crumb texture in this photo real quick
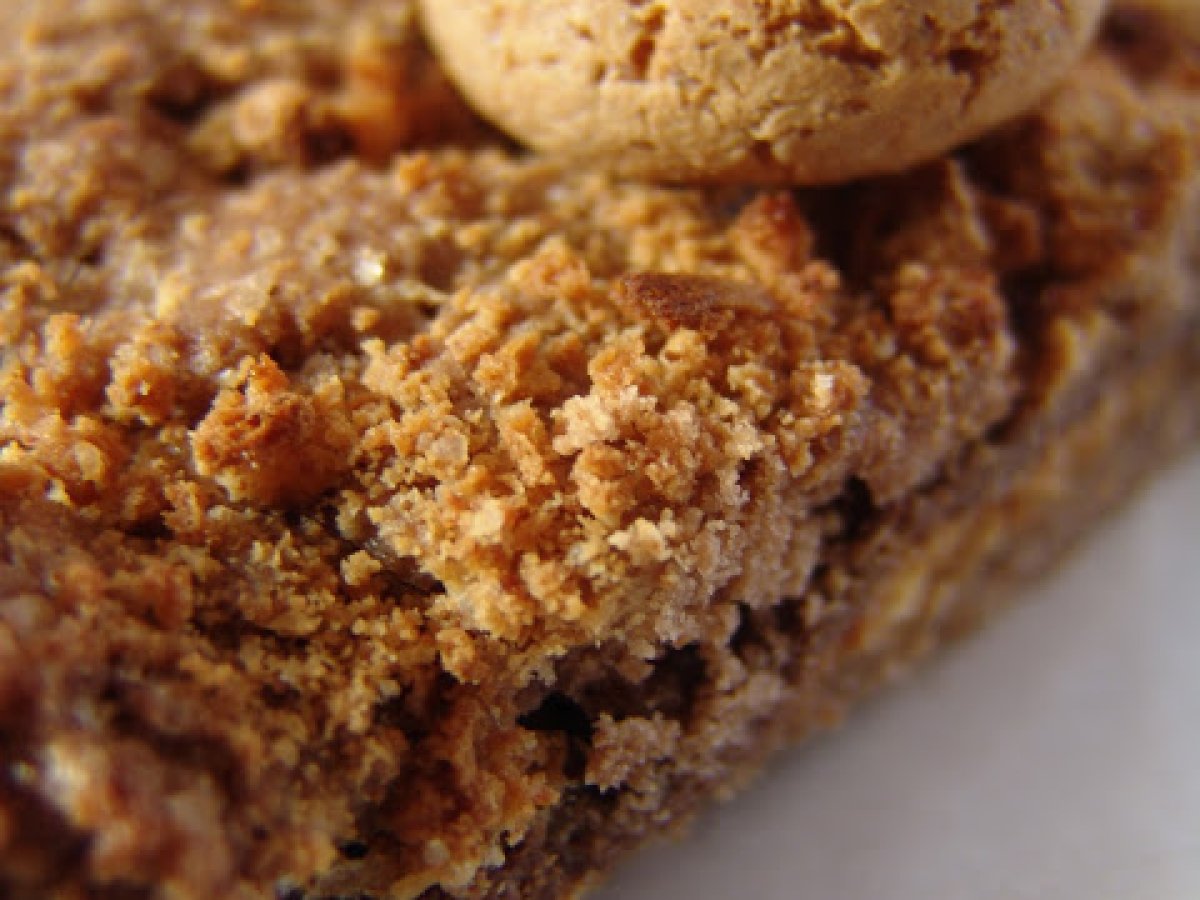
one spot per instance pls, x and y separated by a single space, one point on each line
374 497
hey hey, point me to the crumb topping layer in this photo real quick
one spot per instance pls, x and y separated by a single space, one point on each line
336 438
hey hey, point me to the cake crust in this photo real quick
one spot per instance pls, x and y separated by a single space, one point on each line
388 512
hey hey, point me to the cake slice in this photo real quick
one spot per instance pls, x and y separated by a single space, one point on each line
384 513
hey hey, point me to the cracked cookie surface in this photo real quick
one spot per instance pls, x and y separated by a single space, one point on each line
789 91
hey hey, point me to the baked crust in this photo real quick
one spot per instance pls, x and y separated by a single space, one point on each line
384 526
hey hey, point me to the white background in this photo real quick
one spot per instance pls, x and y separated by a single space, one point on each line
1055 756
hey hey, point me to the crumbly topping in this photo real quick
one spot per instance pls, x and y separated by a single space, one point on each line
329 445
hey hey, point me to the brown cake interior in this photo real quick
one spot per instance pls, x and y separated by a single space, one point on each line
383 511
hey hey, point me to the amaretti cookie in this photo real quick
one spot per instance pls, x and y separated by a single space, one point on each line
386 513
790 91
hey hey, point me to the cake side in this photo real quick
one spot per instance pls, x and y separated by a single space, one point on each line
358 519
941 580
